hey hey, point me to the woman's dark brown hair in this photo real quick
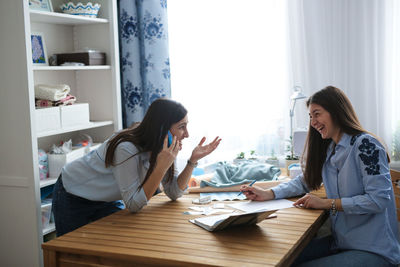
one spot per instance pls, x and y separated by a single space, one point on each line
148 135
343 116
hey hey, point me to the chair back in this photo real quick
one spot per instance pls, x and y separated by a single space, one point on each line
396 188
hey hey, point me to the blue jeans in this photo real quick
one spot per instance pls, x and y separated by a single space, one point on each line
320 253
71 212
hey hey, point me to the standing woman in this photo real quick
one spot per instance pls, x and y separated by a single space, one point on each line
353 166
129 166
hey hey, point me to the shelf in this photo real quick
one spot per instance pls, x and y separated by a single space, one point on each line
49 229
79 127
61 18
95 85
47 182
95 67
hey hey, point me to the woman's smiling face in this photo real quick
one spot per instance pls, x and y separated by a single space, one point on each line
179 130
320 120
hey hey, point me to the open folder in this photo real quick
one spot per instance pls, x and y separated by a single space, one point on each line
219 222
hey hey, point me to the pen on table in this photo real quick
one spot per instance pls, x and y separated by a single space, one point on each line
249 185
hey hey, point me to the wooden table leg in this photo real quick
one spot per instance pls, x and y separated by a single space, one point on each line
49 258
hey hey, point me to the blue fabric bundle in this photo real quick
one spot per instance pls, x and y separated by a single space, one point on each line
227 174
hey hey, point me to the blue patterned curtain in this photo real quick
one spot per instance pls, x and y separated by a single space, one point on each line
145 71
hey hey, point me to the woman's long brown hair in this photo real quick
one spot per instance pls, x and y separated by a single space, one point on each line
148 135
343 116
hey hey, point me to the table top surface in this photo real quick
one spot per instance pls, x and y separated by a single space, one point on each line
160 234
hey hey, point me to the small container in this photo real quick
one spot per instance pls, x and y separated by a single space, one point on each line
87 10
46 214
57 161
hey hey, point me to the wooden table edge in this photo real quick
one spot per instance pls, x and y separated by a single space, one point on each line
305 239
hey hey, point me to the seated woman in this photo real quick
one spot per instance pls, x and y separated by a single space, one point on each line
353 165
129 166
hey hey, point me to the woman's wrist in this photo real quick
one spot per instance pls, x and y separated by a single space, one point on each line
269 194
193 159
328 203
160 169
192 163
334 205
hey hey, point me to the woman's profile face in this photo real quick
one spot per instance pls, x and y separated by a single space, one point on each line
321 120
179 130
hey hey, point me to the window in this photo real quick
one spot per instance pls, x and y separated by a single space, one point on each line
229 68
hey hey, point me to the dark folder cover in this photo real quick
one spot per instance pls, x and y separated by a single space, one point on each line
219 222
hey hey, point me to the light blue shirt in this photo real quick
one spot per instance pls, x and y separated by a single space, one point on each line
357 172
88 177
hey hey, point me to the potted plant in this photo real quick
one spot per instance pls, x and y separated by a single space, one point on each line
239 158
253 155
291 157
272 159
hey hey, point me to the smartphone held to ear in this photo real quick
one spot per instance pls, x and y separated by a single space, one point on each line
169 138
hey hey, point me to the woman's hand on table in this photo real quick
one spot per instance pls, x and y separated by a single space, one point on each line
257 193
311 201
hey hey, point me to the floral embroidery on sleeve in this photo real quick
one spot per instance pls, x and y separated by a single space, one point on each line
369 156
354 138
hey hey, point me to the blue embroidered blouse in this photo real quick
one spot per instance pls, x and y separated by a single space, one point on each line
358 173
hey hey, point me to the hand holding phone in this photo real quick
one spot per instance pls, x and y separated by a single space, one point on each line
169 138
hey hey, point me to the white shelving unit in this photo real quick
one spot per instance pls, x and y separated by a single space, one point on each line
49 229
71 67
63 19
92 124
48 181
20 185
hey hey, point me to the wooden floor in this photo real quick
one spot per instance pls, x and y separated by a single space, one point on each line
161 235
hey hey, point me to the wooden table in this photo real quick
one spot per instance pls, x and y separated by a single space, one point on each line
161 235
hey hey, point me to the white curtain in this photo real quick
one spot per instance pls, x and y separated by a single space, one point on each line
394 55
347 44
229 67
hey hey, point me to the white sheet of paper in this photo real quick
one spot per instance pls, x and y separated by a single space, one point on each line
252 206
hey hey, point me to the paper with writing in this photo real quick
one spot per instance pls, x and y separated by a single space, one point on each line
252 206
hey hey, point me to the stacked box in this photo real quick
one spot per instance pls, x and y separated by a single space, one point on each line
74 114
48 119
56 118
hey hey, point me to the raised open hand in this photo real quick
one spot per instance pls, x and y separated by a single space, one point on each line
200 151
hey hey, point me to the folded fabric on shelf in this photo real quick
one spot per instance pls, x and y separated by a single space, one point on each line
68 100
53 92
